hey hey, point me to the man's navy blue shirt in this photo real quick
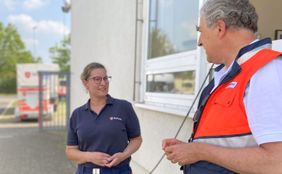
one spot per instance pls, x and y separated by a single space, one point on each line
108 132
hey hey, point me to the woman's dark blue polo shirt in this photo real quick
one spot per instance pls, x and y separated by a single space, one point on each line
107 132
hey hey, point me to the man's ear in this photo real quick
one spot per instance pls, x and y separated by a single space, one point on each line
221 28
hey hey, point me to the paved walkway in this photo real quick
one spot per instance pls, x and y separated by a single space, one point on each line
26 150
30 151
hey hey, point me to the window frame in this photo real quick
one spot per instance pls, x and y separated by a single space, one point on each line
177 104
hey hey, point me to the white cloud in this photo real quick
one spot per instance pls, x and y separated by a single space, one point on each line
34 4
43 27
52 27
12 4
31 42
25 4
22 20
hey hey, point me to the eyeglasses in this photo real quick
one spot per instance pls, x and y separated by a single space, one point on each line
98 80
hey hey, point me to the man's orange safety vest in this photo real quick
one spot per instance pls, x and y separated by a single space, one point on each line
224 114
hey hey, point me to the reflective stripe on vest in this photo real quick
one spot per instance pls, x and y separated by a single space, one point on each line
224 120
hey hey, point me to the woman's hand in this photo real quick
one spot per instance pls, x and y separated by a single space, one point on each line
98 158
116 159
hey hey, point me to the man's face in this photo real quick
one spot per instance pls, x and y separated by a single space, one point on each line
209 40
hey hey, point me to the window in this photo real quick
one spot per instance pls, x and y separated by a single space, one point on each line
177 82
172 27
171 53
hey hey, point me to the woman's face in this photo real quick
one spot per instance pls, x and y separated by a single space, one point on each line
98 83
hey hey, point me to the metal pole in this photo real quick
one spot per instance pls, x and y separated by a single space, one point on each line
68 98
40 93
34 47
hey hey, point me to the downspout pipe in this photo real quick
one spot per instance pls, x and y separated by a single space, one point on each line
136 44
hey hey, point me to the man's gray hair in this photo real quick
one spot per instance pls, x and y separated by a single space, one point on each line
235 13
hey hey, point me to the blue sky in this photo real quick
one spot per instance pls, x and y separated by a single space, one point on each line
41 23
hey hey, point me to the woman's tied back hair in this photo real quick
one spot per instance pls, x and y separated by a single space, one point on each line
235 13
87 70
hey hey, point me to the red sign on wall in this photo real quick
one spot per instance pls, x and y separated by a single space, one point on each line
27 74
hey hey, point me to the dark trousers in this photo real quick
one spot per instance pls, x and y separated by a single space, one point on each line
104 170
204 167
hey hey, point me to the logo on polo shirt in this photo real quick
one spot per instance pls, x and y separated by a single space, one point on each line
232 85
115 118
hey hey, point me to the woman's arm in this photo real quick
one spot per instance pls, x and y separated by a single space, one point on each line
132 147
79 157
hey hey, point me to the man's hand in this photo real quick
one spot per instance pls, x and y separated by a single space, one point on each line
170 141
179 152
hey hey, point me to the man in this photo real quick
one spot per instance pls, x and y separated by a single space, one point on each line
237 128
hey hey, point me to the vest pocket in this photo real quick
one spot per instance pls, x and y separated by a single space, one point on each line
226 98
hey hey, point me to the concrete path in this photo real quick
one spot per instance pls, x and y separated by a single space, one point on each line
24 149
30 151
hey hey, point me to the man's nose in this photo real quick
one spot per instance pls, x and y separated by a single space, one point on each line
200 42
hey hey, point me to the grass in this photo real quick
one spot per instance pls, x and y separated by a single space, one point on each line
11 108
9 111
7 94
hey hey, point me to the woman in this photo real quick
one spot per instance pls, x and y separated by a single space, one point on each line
104 132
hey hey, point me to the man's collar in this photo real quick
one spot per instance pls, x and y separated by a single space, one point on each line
253 46
243 55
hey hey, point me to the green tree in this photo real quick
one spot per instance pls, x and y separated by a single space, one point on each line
60 54
12 51
160 45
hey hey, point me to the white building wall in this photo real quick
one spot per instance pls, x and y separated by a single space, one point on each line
268 11
155 127
104 31
277 45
